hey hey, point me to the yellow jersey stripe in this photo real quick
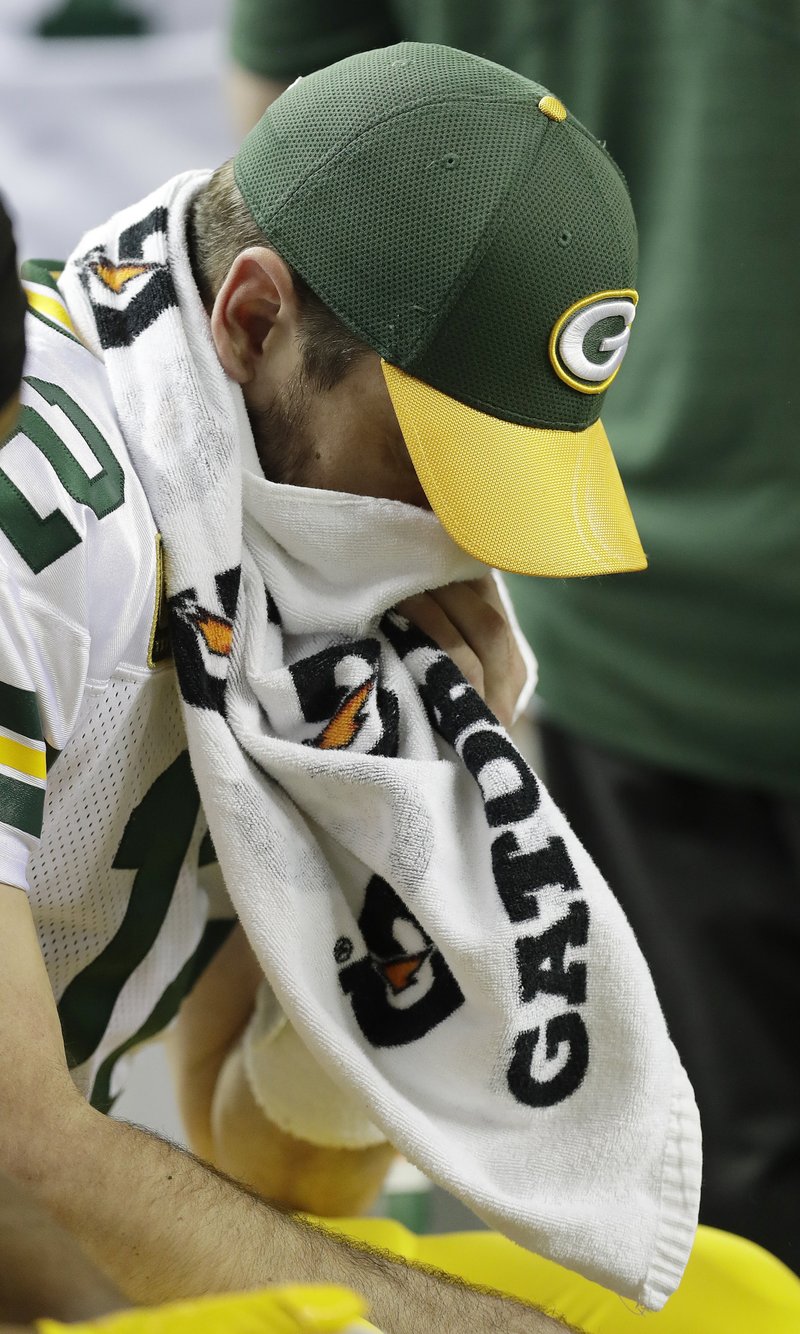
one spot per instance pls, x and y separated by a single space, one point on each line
24 759
50 306
24 738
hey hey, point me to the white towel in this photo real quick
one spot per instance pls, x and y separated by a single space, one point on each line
428 921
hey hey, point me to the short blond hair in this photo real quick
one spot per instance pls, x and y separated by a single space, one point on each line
219 227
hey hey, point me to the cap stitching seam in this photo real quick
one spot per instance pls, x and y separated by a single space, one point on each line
289 253
587 134
393 115
501 413
482 244
601 194
602 199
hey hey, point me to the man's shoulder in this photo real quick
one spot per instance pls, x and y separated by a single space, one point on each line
66 471
64 375
76 531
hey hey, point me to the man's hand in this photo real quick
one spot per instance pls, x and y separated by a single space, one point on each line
469 623
290 1172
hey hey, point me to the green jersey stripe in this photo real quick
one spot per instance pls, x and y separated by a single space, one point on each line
51 324
20 712
215 935
42 271
21 805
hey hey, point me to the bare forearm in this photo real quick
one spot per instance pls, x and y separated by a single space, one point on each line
43 1270
165 1226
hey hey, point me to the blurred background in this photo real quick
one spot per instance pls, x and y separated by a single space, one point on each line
100 102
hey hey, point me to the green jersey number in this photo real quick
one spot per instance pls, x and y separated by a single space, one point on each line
154 845
42 540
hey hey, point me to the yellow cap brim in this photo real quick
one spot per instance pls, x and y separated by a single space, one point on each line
519 498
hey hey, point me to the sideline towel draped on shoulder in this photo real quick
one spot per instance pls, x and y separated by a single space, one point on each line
430 924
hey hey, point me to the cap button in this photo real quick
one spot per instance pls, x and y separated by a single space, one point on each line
552 108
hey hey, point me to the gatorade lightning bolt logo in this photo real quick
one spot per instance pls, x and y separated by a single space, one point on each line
401 988
216 631
202 638
340 688
117 276
589 341
347 721
129 292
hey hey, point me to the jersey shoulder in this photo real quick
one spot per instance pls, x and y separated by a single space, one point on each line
76 531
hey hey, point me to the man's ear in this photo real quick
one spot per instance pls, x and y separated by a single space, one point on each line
256 299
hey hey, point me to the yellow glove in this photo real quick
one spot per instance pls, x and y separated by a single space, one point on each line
309 1309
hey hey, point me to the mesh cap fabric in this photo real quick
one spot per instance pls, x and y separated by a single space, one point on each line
453 214
552 502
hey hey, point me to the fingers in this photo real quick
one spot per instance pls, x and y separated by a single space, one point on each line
430 617
468 622
482 623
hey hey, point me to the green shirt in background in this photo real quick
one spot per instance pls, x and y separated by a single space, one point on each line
694 664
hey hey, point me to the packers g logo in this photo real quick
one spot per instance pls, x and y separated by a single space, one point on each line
582 356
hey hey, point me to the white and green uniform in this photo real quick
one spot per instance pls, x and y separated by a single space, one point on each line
100 817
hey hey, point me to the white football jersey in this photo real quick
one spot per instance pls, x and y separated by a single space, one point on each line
100 818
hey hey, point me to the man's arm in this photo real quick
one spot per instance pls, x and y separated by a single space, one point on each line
209 1023
43 1271
161 1224
225 1124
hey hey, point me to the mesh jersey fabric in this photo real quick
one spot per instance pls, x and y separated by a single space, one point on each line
122 907
692 665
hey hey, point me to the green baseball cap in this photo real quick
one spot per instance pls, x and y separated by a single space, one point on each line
465 226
